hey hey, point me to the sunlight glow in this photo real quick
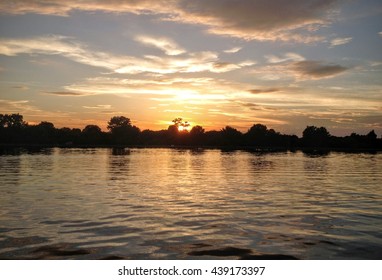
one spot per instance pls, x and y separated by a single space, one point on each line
185 128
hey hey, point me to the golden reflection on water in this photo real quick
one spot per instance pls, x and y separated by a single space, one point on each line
170 203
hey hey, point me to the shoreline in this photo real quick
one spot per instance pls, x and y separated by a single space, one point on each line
312 150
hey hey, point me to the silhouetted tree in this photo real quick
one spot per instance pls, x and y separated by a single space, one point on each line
178 122
46 132
372 135
14 130
197 130
148 137
257 135
258 130
122 131
197 135
12 121
75 133
260 136
67 136
371 139
46 126
117 122
313 136
212 138
92 129
172 130
230 136
92 134
176 133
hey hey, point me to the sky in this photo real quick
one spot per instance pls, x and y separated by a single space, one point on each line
284 64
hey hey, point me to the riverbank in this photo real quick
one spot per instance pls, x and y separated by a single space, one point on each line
313 150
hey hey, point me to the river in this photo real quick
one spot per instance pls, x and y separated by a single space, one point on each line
189 204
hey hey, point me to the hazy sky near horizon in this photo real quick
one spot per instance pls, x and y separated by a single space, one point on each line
285 64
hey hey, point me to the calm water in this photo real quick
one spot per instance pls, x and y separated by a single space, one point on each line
186 204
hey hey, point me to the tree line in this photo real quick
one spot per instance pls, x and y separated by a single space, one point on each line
15 131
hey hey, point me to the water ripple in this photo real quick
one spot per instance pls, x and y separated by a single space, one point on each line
167 204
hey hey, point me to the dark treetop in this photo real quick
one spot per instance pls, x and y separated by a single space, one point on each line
15 131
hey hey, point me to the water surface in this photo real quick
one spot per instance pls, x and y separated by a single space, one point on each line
189 204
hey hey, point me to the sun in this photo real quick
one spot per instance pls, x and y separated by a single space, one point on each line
181 125
184 128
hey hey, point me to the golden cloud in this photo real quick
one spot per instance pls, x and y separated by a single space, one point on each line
59 45
165 44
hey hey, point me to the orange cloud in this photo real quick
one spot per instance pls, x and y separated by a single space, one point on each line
165 44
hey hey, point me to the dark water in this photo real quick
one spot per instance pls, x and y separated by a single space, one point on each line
185 204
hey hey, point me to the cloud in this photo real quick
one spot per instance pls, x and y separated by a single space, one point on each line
165 44
380 33
97 107
13 106
266 90
63 8
190 89
340 41
48 44
287 57
261 20
224 67
292 66
317 69
21 87
64 46
193 62
219 67
65 93
292 20
233 50
59 45
374 121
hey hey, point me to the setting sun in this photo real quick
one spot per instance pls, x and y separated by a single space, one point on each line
184 128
